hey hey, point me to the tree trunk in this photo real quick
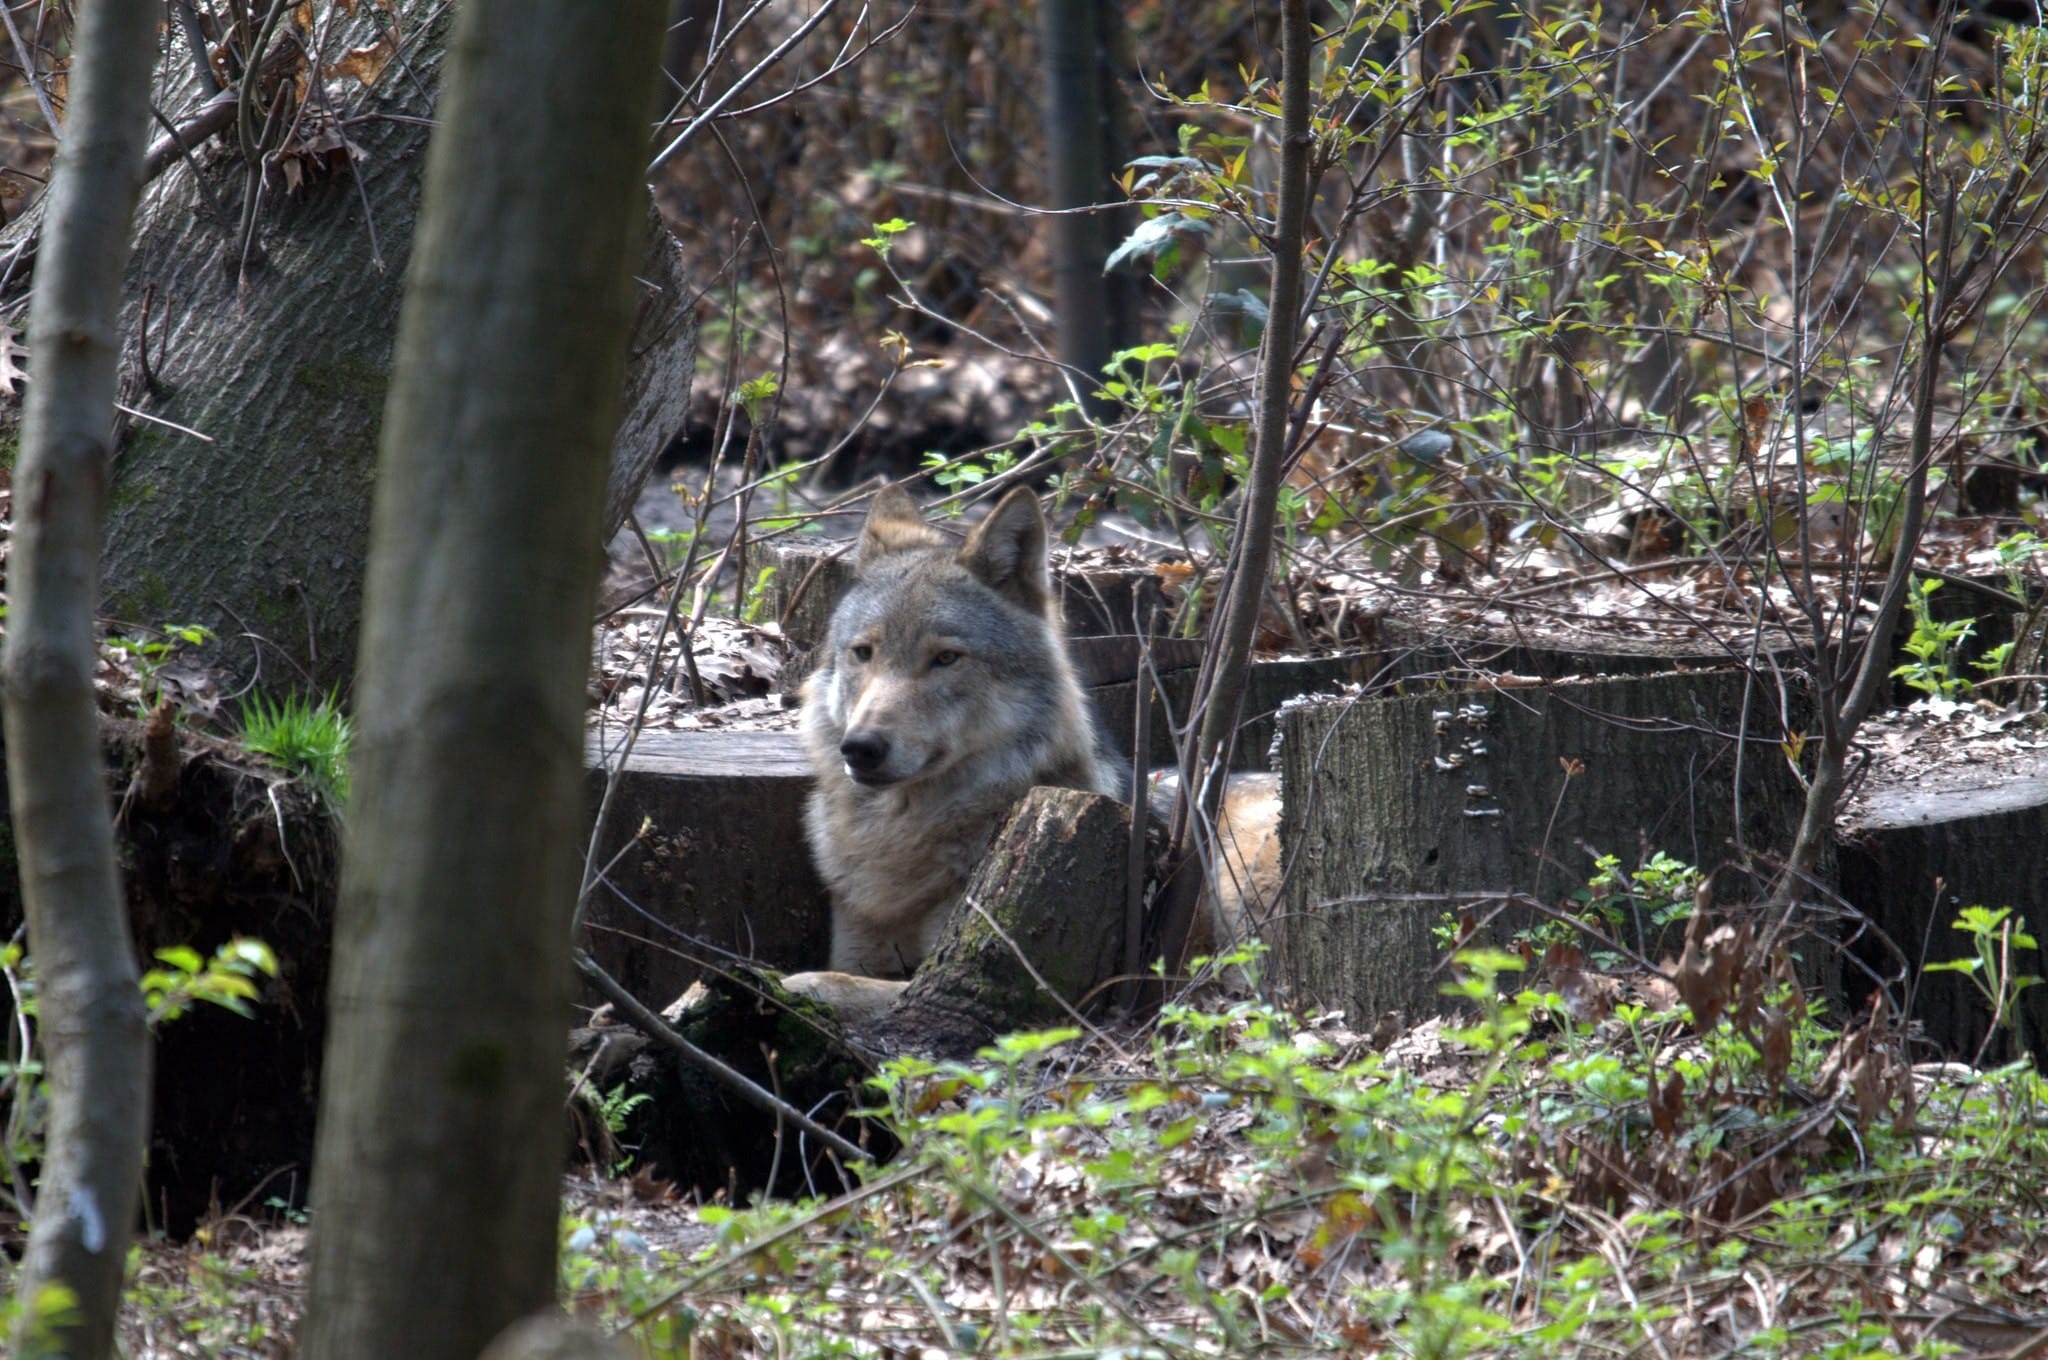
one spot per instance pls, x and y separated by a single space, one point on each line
1040 927
283 363
1400 812
436 1178
1078 174
95 1035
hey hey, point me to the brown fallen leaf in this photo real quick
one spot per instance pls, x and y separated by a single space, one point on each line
366 64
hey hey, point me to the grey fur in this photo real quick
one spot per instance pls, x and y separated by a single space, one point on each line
944 695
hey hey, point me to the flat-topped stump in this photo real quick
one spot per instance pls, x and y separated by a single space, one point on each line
1915 853
704 859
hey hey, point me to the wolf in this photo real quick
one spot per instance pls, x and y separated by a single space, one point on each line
942 695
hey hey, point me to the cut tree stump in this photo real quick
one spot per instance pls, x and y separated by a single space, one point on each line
1913 855
1400 812
1431 652
1268 685
1041 927
722 869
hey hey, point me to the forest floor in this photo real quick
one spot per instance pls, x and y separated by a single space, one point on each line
1581 1169
1538 1183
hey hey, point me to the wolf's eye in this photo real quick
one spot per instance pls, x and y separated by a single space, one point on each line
945 658
862 652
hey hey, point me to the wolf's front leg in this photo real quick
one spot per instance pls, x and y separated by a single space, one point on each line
858 1000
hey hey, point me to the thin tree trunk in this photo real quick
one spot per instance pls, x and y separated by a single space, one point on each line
1851 680
95 1036
437 1164
1077 175
1221 687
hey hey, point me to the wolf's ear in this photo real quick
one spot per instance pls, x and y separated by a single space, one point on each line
894 525
1007 553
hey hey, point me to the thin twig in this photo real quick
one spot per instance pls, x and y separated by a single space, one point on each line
29 72
738 87
167 424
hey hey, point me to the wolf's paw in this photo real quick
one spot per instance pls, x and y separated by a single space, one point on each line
856 999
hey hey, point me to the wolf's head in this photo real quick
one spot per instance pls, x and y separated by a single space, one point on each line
941 658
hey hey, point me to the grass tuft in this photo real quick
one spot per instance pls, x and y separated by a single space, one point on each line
309 739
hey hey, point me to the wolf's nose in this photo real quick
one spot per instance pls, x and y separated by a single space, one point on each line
864 751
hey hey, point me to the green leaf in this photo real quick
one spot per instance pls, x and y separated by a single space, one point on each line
182 957
1152 236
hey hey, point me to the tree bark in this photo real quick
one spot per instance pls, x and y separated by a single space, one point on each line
1078 175
95 1035
1040 927
436 1181
1400 812
283 364
1913 856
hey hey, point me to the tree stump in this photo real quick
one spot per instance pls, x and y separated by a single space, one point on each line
232 848
704 857
1433 653
1399 812
1913 856
1041 926
1269 684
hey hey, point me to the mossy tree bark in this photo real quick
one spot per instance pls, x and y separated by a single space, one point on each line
1399 812
1040 927
436 1173
91 1015
274 342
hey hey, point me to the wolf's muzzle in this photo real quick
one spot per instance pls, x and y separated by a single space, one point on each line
865 752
